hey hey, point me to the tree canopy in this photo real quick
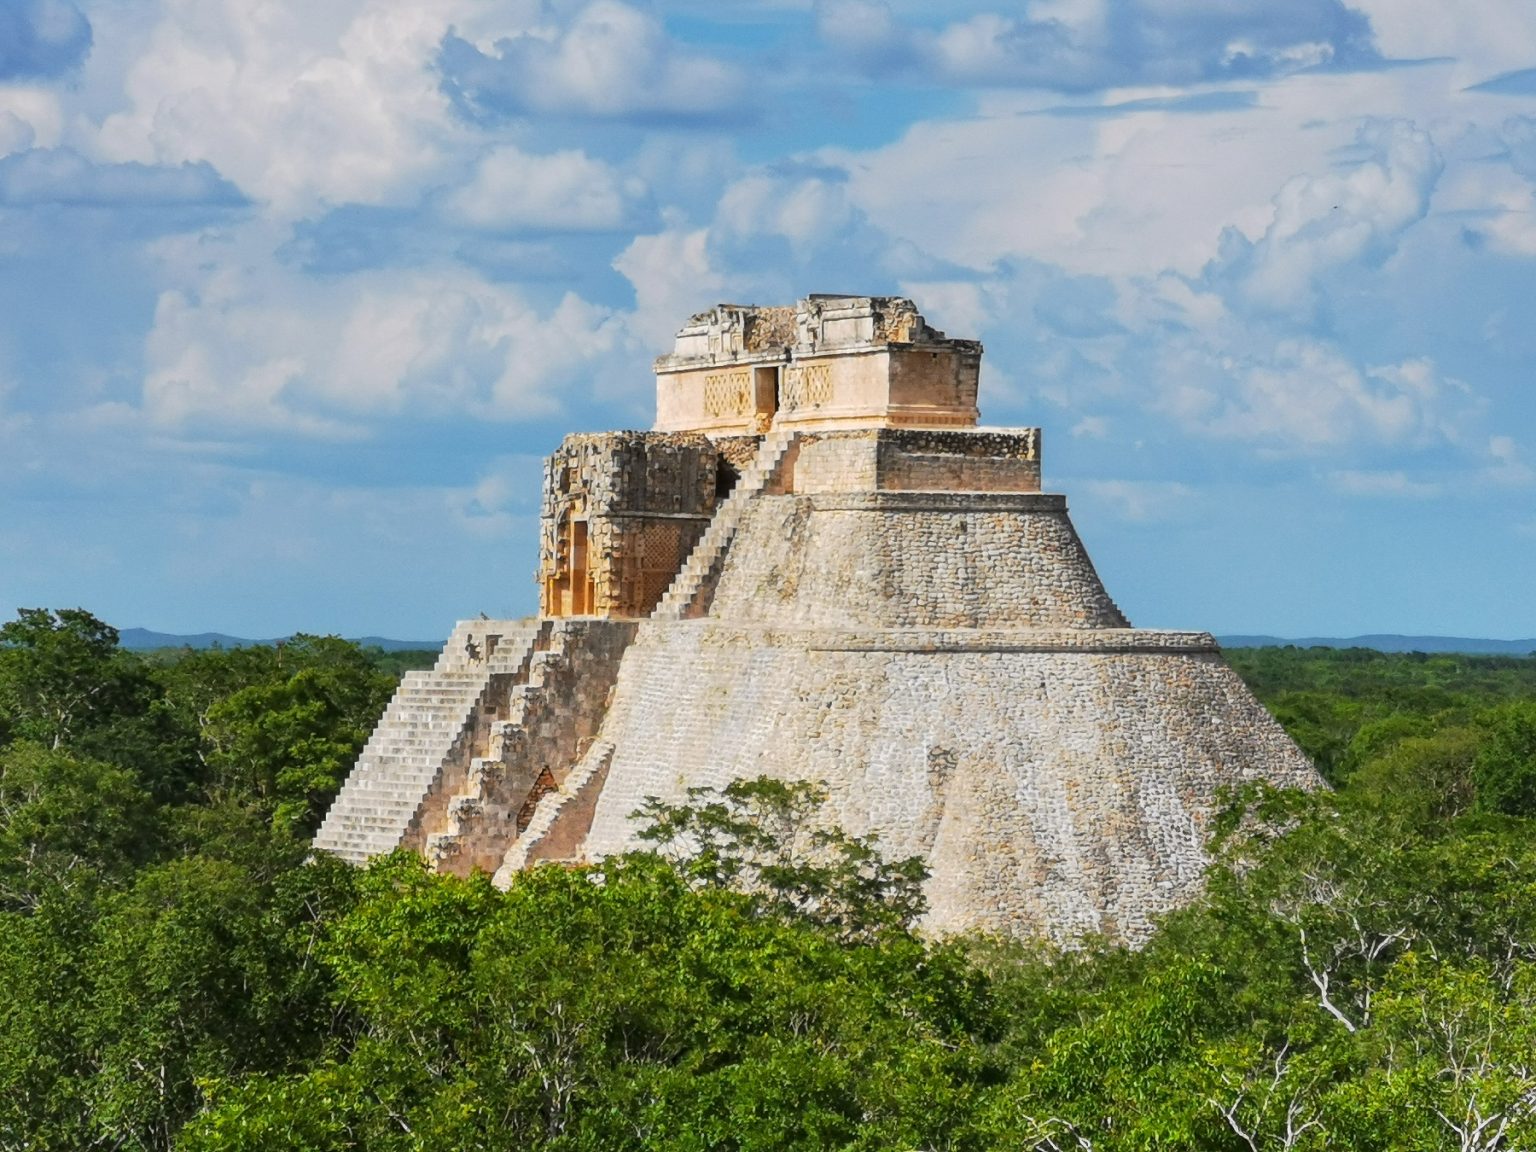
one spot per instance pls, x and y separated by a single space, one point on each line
177 972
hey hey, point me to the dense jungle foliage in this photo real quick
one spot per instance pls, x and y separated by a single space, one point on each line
173 974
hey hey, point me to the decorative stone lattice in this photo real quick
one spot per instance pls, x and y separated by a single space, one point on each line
621 512
728 393
806 386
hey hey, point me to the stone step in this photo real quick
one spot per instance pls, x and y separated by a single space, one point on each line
700 565
431 713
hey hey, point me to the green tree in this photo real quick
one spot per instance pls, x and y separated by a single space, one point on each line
1505 772
44 1065
203 971
59 672
626 1006
64 683
287 741
65 822
767 838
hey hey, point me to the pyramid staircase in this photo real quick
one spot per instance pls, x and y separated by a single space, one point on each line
685 596
433 722
553 715
562 818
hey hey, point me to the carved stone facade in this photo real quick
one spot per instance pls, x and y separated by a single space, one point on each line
621 512
819 567
831 361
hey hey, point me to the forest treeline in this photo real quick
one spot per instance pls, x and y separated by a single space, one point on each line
175 972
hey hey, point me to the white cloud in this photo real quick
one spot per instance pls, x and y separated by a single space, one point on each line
1143 501
566 190
42 37
1131 194
1325 222
959 308
1076 45
1519 137
503 497
1500 194
1484 37
30 117
300 105
1307 396
807 210
16 134
1508 468
612 60
60 176
673 278
250 346
1394 483
1513 231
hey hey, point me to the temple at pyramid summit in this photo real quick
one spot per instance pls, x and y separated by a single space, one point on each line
818 565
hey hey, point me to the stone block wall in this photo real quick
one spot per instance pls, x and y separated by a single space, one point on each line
911 560
435 725
829 361
1056 784
836 463
916 460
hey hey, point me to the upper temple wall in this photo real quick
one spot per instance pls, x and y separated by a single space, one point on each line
831 361
914 460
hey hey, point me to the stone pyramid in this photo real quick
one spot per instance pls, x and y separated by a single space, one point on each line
818 566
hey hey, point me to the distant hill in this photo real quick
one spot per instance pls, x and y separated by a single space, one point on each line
1464 645
141 639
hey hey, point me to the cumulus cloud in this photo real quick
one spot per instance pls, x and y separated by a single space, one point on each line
1088 44
567 190
254 347
1519 135
1482 37
1127 195
300 106
41 38
1325 222
16 135
1307 396
673 277
612 61
1508 466
1512 228
30 117
61 176
809 208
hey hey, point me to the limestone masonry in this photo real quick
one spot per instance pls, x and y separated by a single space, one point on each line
818 566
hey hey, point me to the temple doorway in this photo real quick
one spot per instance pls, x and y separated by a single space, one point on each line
765 391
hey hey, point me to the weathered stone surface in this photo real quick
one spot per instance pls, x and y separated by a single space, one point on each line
1057 782
845 581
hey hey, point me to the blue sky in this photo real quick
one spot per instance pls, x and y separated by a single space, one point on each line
296 296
